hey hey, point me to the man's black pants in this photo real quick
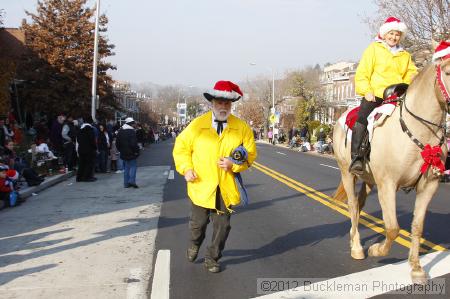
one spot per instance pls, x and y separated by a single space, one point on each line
200 217
86 163
69 150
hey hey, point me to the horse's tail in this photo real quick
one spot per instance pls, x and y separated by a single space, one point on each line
340 194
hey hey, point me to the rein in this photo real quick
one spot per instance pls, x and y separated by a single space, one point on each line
431 155
405 128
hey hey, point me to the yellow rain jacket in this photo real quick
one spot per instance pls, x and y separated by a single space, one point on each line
199 147
380 68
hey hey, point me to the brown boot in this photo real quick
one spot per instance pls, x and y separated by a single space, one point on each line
192 253
212 266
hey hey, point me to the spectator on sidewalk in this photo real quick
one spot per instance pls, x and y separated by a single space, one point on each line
56 139
6 184
68 134
129 151
200 154
270 135
321 141
304 134
2 133
114 153
87 151
305 146
7 131
140 136
103 144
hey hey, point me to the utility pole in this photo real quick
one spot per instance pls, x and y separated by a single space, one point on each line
94 69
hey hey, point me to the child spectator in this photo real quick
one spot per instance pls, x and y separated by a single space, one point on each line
7 177
114 155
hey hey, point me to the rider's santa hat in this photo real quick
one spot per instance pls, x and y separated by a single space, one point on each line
224 90
442 51
392 23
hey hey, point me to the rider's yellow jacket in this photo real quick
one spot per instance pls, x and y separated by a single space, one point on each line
380 68
199 147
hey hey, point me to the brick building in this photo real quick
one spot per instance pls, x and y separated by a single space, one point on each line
338 81
12 47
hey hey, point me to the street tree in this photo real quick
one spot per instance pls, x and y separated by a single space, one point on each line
253 113
193 109
428 21
58 71
305 85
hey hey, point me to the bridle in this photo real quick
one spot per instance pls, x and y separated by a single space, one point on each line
438 81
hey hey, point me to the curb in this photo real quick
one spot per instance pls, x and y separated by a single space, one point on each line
51 181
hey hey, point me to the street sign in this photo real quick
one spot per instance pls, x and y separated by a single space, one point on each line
272 119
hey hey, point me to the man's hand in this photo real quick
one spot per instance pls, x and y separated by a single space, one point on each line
225 164
190 175
370 97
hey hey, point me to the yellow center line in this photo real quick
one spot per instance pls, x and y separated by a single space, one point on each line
371 222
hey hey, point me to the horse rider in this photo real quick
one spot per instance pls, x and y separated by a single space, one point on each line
383 63
202 155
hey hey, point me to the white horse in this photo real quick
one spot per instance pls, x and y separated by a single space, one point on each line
396 161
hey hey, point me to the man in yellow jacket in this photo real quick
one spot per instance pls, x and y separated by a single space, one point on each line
383 63
200 155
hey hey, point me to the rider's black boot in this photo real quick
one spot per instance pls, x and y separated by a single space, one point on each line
357 167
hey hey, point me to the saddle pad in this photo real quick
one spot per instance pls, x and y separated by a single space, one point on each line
349 117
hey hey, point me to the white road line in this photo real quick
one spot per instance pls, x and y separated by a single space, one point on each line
378 280
171 175
161 276
136 285
281 153
329 166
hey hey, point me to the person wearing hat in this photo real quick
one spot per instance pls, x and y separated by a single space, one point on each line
128 148
6 187
201 154
383 63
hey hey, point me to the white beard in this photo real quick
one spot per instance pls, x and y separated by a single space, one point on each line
221 114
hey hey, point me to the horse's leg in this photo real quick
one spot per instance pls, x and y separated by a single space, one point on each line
425 191
349 180
363 192
386 196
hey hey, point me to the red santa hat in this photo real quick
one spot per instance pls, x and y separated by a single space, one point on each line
12 174
442 51
224 90
392 23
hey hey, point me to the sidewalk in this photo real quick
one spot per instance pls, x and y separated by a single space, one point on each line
82 240
285 146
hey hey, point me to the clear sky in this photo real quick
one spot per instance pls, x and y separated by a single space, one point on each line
197 42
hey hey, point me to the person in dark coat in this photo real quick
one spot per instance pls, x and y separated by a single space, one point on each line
129 151
103 148
87 151
56 138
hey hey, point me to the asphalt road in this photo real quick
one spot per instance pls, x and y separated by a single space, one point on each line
283 232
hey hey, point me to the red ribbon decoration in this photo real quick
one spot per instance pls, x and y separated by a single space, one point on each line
432 157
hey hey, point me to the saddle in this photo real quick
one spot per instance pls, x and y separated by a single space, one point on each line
390 95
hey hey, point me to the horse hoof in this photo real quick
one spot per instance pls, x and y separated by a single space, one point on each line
419 277
374 250
358 254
